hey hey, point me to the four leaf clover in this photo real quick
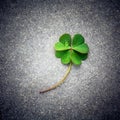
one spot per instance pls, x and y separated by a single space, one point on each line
71 50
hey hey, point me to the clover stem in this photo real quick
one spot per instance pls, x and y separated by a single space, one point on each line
60 82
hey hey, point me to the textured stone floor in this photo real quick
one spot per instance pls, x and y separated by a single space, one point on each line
28 31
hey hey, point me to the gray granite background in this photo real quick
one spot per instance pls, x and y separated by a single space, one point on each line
28 31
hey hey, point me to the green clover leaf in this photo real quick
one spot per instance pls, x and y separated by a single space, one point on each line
65 39
71 50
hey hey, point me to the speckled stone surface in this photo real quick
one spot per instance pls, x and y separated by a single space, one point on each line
28 31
